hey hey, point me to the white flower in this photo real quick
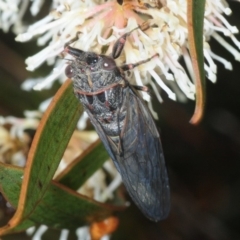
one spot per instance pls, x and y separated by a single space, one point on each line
102 22
14 141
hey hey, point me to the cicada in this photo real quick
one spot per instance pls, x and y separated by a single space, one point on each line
124 124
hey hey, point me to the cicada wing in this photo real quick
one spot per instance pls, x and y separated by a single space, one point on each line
142 165
141 162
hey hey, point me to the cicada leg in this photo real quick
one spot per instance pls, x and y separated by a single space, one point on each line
140 88
119 45
130 66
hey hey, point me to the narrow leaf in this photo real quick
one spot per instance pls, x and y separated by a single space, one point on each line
195 35
49 144
10 185
60 207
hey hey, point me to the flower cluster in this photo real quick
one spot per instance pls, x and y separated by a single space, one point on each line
102 22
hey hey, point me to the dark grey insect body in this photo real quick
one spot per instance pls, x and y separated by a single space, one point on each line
124 125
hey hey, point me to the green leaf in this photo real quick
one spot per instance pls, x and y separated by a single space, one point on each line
76 174
49 144
48 147
10 184
195 30
60 207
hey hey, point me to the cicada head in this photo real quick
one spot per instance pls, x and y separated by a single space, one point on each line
89 60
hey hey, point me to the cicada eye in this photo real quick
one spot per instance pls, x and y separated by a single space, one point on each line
69 71
108 63
91 60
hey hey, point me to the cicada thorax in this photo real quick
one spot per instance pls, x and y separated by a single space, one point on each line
105 104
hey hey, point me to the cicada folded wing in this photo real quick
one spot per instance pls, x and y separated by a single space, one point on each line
140 162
